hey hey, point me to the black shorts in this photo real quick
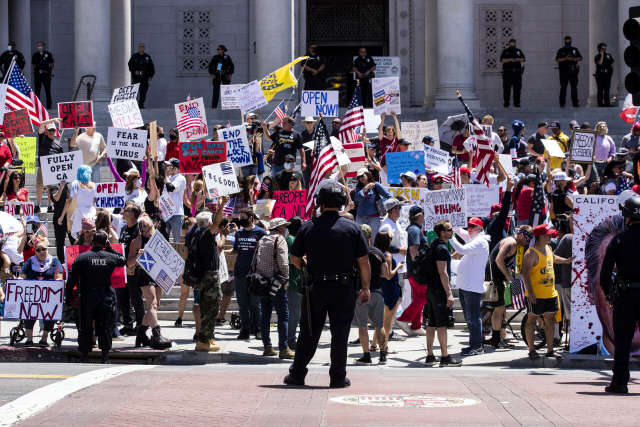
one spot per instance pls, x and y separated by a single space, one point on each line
542 306
501 288
437 310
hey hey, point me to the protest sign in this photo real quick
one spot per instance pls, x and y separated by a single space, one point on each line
444 204
316 102
27 146
436 159
163 264
166 206
289 204
58 167
412 194
110 195
118 278
371 120
596 221
488 131
125 143
220 179
583 146
387 66
194 155
399 163
125 114
340 152
238 150
75 114
194 132
357 157
250 97
3 100
223 270
153 138
125 93
386 95
507 163
34 299
552 148
25 207
17 123
480 198
227 98
413 132
453 280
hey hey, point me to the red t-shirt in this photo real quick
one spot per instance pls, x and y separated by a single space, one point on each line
28 251
458 143
172 150
387 146
22 196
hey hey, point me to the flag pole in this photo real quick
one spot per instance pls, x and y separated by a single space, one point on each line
11 65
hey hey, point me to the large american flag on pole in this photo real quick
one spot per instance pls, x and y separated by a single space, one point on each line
324 160
485 152
352 119
20 95
190 119
538 213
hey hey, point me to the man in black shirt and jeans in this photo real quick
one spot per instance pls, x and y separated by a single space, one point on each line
47 145
59 196
285 141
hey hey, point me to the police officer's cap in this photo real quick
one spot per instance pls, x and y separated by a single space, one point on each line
632 208
331 195
100 238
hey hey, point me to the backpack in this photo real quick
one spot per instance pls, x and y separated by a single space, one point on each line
259 285
193 271
424 269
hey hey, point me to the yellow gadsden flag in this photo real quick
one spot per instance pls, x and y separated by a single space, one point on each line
280 79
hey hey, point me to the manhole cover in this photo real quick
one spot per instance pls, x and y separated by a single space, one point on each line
405 401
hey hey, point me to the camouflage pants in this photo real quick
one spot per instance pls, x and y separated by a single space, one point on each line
210 295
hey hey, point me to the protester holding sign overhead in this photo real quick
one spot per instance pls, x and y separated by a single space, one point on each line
142 71
368 192
47 145
221 69
93 148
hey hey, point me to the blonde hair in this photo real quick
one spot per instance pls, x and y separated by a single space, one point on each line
146 219
487 118
606 128
388 128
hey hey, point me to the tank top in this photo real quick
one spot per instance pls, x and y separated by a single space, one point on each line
542 277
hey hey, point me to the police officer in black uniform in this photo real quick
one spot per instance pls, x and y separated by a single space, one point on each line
142 71
42 62
313 70
364 66
621 253
511 59
604 71
333 246
567 59
97 299
7 56
221 69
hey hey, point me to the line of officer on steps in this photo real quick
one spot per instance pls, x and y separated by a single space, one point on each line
333 246
142 71
512 69
42 63
221 69
313 69
97 299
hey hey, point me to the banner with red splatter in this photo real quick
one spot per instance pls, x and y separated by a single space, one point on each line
596 220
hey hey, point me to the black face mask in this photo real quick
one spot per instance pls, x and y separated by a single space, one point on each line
172 137
161 135
243 222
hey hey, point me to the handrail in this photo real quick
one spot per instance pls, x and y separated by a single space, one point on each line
90 86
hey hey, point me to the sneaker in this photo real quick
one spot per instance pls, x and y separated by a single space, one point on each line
420 332
244 335
431 360
222 322
449 361
382 360
364 360
178 323
118 338
355 342
472 351
404 326
502 345
396 337
36 209
258 335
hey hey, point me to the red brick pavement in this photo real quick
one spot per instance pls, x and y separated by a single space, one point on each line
238 396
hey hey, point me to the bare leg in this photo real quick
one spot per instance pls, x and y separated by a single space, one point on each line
45 335
364 339
29 334
549 327
389 317
39 195
442 340
496 320
530 331
159 292
184 295
431 336
151 316
224 305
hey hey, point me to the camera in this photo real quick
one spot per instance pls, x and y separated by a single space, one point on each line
279 280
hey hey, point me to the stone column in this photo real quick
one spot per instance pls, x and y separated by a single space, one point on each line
430 51
273 38
20 32
4 24
455 53
623 43
92 47
120 42
602 29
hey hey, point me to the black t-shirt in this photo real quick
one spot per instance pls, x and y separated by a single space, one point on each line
48 146
510 53
441 253
606 63
376 258
536 140
364 64
285 143
127 234
58 206
559 202
565 52
208 251
315 62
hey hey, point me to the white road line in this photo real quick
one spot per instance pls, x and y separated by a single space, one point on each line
31 403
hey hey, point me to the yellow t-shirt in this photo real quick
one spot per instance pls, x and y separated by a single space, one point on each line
563 143
542 277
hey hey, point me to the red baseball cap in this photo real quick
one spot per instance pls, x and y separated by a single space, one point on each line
636 126
544 229
476 221
465 170
495 208
636 188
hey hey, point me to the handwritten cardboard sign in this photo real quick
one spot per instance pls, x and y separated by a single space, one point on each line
166 205
119 274
123 143
126 114
250 97
34 299
480 198
27 146
74 114
238 150
316 102
17 123
220 179
289 204
583 147
125 93
413 132
399 163
227 98
195 155
386 95
195 132
161 261
153 138
25 207
444 204
58 167
552 148
437 159
110 195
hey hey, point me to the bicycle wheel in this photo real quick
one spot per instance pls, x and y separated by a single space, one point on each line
537 331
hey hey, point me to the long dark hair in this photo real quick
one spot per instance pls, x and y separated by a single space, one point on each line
382 241
269 192
248 186
369 179
10 185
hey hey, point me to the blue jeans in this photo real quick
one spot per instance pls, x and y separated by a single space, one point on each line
95 173
470 302
246 302
279 302
249 170
174 227
294 300
275 169
372 221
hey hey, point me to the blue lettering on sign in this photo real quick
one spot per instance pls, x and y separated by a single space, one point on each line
110 202
327 110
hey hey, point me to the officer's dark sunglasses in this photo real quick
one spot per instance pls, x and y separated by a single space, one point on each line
502 130
336 123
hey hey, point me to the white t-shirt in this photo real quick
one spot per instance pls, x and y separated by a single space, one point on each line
180 183
91 147
493 178
399 239
162 149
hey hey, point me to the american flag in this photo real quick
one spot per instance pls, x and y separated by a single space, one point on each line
324 160
296 112
454 176
352 119
622 184
43 229
538 214
164 280
228 209
20 95
484 152
280 111
190 119
517 294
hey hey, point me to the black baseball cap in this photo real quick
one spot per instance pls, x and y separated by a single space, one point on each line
555 124
543 124
415 210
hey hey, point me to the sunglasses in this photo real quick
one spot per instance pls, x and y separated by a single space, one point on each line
89 231
17 177
293 179
437 182
51 130
502 130
41 250
473 226
448 230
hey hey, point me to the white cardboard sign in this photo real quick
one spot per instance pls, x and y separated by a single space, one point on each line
250 97
227 98
341 153
110 195
25 207
125 93
444 204
480 198
371 121
238 150
413 132
126 114
386 95
34 299
437 159
166 205
58 167
221 179
583 146
195 132
552 147
161 262
3 100
125 143
316 102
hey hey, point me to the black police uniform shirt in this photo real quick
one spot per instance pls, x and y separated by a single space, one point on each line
376 258
565 52
511 53
48 146
621 253
364 64
331 243
6 57
141 63
285 143
221 64
315 62
208 251
42 61
127 234
58 205
606 63
95 267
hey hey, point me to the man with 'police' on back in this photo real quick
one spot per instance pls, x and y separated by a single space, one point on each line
333 245
97 299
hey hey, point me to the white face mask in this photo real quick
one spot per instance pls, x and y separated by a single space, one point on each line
138 182
287 165
8 47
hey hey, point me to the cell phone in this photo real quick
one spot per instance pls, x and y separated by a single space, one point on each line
224 222
18 209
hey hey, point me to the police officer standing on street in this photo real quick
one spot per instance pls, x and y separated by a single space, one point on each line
42 63
333 246
604 71
142 71
567 59
511 59
7 56
97 298
364 66
313 70
621 253
221 69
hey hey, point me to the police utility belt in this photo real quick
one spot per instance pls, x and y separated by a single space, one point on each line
343 278
43 71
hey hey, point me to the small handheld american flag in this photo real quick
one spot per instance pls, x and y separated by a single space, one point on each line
517 294
228 209
280 111
454 176
44 230
190 119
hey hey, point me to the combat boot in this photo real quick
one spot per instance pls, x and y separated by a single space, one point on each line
158 342
269 351
105 357
142 340
286 353
210 346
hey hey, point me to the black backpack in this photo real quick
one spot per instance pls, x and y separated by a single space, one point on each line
424 269
193 271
